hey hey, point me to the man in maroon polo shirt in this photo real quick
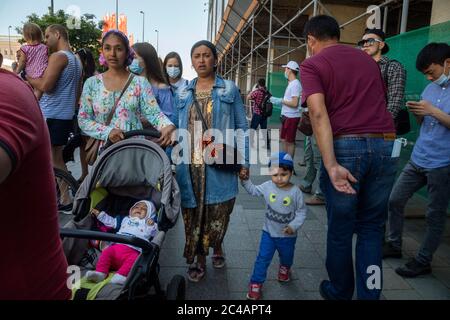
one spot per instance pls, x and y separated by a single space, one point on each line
345 95
32 263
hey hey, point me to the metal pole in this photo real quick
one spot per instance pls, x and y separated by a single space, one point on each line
9 40
289 44
315 8
232 61
143 26
117 14
225 60
239 57
230 34
288 52
157 41
270 42
324 8
281 22
385 11
364 14
209 31
405 9
256 75
251 45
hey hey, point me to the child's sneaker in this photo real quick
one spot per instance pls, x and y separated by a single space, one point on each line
254 291
283 274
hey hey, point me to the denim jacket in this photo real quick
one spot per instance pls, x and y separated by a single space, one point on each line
228 113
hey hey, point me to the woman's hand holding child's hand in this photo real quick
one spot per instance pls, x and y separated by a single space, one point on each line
244 174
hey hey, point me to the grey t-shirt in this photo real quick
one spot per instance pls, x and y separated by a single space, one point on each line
284 207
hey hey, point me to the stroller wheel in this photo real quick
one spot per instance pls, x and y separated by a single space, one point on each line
176 289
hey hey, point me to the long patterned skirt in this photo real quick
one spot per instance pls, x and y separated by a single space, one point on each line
206 225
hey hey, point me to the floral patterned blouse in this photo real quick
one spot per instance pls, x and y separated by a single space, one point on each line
97 103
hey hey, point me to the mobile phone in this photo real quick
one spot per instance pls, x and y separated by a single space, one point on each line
412 103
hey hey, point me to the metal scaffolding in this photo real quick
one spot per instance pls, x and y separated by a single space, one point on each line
242 54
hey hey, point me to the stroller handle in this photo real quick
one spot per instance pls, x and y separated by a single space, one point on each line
111 237
144 132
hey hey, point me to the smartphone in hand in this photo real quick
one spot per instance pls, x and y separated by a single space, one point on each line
412 103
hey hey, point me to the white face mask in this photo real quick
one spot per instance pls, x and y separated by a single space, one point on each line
443 79
173 72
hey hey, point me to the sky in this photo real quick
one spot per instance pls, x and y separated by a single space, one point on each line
180 22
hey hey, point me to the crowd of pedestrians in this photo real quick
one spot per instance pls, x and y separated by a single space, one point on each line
353 96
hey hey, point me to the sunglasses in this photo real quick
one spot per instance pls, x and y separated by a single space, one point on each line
368 41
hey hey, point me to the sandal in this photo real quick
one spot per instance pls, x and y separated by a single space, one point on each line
218 261
196 272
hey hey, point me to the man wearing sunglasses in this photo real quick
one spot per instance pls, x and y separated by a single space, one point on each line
394 77
392 71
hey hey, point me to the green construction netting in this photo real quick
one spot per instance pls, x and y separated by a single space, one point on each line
277 84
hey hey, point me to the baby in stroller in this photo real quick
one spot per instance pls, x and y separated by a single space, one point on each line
141 223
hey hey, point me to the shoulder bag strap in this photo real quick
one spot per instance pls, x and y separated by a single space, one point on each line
111 114
199 112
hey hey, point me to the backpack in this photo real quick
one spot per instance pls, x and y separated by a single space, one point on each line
266 105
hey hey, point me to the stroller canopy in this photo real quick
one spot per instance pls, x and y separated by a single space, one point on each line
136 168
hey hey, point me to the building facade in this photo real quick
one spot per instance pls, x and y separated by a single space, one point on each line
8 48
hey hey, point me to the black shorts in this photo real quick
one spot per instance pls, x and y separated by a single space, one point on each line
59 131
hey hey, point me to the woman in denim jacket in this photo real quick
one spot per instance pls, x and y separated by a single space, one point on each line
207 193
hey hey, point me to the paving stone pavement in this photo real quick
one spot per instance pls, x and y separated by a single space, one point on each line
242 241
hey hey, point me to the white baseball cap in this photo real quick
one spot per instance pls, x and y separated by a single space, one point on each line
292 65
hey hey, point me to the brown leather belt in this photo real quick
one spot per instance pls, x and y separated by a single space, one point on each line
385 136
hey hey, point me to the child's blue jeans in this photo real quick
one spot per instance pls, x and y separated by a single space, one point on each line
285 248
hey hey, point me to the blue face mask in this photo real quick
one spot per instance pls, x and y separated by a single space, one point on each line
286 75
443 79
135 67
173 72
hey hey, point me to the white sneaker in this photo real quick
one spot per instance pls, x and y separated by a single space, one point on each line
95 276
118 279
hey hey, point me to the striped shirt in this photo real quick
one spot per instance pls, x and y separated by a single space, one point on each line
37 59
60 102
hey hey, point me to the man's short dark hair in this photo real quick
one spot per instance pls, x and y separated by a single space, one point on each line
61 30
432 53
295 72
322 27
262 82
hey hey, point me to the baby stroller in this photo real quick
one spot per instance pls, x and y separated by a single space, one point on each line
125 172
